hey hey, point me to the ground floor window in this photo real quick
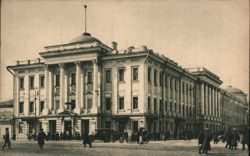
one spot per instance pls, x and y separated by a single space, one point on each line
135 126
20 127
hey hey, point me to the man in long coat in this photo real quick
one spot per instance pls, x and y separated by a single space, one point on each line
6 139
41 139
204 141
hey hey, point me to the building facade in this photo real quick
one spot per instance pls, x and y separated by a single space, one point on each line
85 85
6 116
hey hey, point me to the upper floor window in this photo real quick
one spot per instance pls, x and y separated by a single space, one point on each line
149 103
89 103
31 107
135 73
57 83
155 105
73 104
166 81
108 76
41 106
89 77
155 77
108 103
20 107
135 102
42 80
161 79
121 74
161 106
166 106
73 79
31 80
149 74
21 82
121 103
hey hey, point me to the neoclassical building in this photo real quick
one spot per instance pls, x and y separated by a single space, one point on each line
85 85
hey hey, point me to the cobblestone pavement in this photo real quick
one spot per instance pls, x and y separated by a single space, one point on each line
158 148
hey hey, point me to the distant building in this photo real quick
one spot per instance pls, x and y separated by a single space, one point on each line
6 117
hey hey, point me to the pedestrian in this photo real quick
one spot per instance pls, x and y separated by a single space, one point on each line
243 138
228 137
41 139
6 138
87 140
204 141
234 140
126 136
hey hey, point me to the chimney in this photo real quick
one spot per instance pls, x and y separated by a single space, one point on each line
129 50
114 45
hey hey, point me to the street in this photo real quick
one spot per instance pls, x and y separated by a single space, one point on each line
158 148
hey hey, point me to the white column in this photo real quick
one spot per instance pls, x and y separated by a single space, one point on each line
219 105
46 106
169 90
27 94
82 86
212 102
202 99
164 92
17 95
215 103
181 97
206 100
51 89
78 87
62 102
95 74
177 97
185 100
66 87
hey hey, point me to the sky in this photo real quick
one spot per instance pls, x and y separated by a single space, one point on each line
194 33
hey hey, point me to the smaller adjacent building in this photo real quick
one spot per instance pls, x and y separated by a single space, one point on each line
6 116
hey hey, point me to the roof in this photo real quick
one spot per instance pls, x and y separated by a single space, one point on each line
7 104
84 38
234 90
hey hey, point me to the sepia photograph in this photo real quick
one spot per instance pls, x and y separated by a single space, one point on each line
123 77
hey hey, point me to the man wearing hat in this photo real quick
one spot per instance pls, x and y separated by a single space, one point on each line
6 138
204 141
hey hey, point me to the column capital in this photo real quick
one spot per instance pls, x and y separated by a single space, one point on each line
78 63
46 66
61 65
94 61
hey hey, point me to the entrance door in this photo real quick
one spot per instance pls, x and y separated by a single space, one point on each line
68 127
85 127
52 126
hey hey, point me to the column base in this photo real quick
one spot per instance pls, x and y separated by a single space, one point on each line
45 111
77 110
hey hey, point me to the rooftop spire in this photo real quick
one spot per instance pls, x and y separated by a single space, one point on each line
85 8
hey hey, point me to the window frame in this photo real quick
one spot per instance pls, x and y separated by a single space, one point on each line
135 73
21 85
42 81
135 102
119 74
108 103
121 104
31 81
108 75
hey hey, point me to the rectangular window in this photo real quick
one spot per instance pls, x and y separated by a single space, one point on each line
42 80
155 77
135 102
73 104
149 74
73 79
175 84
149 103
161 81
121 103
89 103
171 109
135 74
135 126
166 106
89 77
20 107
31 80
41 106
108 103
57 104
57 80
20 127
21 82
108 76
121 74
155 105
161 106
31 107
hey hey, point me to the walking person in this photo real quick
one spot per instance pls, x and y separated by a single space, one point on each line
41 139
228 137
245 138
204 141
6 139
234 140
87 140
